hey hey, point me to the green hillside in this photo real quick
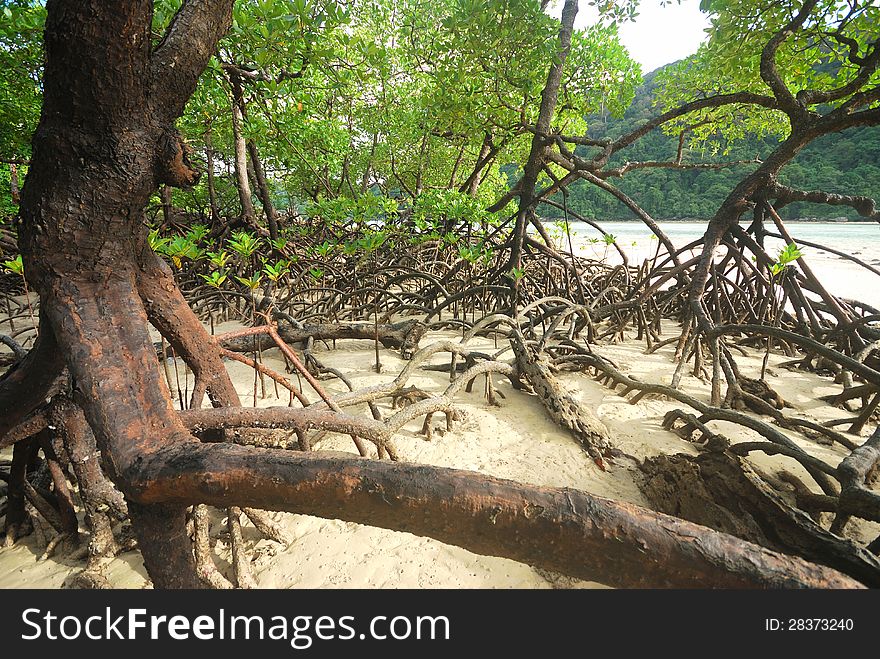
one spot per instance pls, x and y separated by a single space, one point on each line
846 163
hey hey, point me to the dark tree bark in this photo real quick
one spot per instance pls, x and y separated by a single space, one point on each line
105 142
404 335
721 491
16 515
26 385
487 152
537 155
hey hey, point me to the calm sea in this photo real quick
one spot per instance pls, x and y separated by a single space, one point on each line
842 277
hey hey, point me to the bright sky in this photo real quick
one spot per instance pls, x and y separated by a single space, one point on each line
659 35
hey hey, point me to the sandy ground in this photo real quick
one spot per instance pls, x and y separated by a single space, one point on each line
516 441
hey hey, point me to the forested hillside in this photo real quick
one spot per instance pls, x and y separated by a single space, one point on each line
846 163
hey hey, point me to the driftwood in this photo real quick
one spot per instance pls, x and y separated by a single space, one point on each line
404 335
720 490
535 367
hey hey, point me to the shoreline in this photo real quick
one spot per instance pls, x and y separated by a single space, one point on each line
691 220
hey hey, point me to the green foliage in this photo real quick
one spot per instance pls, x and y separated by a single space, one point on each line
197 233
215 279
470 253
21 63
365 209
845 163
157 242
448 208
730 61
279 244
14 266
243 243
371 115
219 259
179 248
8 209
250 282
787 255
371 241
277 271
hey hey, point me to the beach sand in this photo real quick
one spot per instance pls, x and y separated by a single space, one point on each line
516 441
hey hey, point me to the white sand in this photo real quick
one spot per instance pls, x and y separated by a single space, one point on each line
517 441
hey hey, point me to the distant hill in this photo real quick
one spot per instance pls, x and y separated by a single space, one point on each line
846 163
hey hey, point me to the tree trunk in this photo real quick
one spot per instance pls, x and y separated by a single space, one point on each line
248 214
105 142
263 187
368 170
212 189
537 155
165 196
473 182
13 184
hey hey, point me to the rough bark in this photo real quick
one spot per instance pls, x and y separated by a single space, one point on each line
25 386
16 516
720 490
63 499
856 472
171 315
105 143
102 502
404 335
559 529
562 407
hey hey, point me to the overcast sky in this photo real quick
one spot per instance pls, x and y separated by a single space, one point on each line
659 35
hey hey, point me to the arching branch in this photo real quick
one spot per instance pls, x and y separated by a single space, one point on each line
559 529
180 58
867 66
784 194
769 70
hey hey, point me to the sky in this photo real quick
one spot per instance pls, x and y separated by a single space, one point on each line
659 35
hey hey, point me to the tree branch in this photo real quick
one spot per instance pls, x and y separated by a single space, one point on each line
671 164
24 386
867 68
183 53
770 72
559 529
865 206
720 100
